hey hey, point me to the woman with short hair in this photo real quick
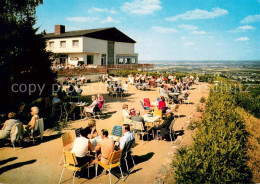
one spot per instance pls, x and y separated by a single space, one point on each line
35 116
126 116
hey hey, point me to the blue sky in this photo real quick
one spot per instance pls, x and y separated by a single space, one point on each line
167 29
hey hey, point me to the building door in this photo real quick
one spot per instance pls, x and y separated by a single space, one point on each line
90 59
103 59
63 60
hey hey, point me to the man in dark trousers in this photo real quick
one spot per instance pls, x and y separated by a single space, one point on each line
164 127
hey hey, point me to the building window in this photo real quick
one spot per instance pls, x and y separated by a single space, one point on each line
63 44
51 44
75 43
90 59
126 59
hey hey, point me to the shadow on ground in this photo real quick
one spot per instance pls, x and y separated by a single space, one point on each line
2 162
116 171
16 165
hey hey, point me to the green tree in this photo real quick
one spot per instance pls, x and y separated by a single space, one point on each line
23 58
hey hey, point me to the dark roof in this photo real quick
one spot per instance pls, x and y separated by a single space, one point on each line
111 34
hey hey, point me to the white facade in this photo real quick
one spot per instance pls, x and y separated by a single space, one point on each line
74 49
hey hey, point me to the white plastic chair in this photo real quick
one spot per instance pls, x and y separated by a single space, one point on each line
39 125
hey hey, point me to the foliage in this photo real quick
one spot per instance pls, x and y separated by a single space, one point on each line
202 99
23 58
194 123
218 154
198 108
248 102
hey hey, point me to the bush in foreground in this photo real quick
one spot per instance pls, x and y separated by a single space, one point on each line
218 154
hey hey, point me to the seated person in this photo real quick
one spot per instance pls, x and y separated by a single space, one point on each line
161 103
71 90
81 146
164 127
128 136
126 116
106 146
90 108
8 125
138 118
31 124
125 86
108 85
92 126
101 100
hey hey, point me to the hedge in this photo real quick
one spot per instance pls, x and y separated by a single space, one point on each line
218 154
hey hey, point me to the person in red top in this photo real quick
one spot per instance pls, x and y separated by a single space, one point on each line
161 103
101 100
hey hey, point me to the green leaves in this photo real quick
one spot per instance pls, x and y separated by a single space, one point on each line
218 154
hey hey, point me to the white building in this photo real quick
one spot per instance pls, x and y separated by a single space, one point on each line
105 46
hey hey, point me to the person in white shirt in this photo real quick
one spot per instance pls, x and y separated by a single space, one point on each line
128 136
81 146
91 107
125 86
126 115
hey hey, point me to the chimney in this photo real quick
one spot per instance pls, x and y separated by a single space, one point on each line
59 29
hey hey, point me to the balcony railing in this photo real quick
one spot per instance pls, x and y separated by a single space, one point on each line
129 66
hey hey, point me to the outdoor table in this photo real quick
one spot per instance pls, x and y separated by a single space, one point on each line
154 103
80 105
151 119
174 94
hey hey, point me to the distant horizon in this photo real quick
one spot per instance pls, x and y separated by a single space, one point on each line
182 60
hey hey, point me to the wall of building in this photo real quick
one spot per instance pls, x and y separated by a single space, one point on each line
93 45
124 48
80 56
69 47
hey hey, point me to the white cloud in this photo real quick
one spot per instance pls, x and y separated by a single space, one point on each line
189 43
188 27
109 20
251 18
163 29
198 32
141 7
94 9
81 19
242 29
242 39
246 27
199 14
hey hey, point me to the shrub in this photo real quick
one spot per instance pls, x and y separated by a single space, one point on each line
218 154
202 99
